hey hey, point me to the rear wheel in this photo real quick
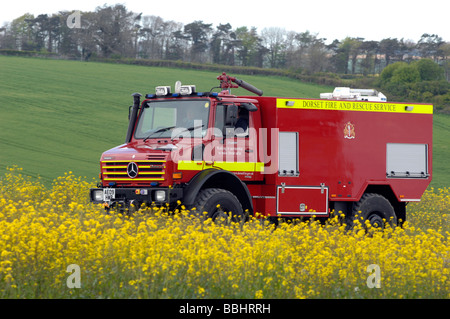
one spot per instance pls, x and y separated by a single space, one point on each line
219 204
376 209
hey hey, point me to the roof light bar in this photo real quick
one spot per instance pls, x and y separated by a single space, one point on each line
162 90
187 89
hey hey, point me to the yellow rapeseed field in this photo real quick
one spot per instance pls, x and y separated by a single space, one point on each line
52 240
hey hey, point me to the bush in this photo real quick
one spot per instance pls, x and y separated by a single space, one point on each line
420 81
389 71
429 70
405 74
40 54
434 87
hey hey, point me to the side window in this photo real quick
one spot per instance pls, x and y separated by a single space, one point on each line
238 121
219 121
242 123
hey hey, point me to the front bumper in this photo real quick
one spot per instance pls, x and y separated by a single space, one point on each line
157 195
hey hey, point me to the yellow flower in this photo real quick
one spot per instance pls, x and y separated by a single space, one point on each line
154 253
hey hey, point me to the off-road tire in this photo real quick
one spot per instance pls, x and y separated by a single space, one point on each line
219 203
375 208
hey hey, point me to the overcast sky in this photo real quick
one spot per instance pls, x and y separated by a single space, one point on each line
331 19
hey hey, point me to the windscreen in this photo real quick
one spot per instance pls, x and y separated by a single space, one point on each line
171 118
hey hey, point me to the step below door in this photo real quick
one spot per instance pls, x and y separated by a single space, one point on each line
302 200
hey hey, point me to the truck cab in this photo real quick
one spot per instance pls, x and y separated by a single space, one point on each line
185 146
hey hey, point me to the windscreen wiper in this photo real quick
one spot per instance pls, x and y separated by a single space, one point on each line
188 129
160 130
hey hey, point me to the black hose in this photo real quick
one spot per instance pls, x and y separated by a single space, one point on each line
248 87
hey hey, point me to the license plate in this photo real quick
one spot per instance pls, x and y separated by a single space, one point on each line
108 194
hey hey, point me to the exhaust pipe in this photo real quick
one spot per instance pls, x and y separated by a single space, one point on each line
134 112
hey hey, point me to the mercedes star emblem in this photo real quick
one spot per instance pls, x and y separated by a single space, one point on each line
132 170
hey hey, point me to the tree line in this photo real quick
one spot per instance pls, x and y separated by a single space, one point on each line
115 32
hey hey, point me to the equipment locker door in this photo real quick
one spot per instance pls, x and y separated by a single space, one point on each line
302 200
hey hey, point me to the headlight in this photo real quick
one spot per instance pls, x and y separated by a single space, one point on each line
98 195
160 196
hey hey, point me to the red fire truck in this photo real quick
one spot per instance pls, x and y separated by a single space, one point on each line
280 157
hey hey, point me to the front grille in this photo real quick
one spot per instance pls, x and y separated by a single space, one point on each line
157 157
148 170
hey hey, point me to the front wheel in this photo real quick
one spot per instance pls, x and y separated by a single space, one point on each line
219 204
376 209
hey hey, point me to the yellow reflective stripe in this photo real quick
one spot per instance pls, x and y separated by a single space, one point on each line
133 160
147 173
140 173
355 106
236 166
133 179
190 165
259 167
229 166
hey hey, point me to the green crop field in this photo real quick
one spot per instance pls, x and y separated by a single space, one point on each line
58 116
